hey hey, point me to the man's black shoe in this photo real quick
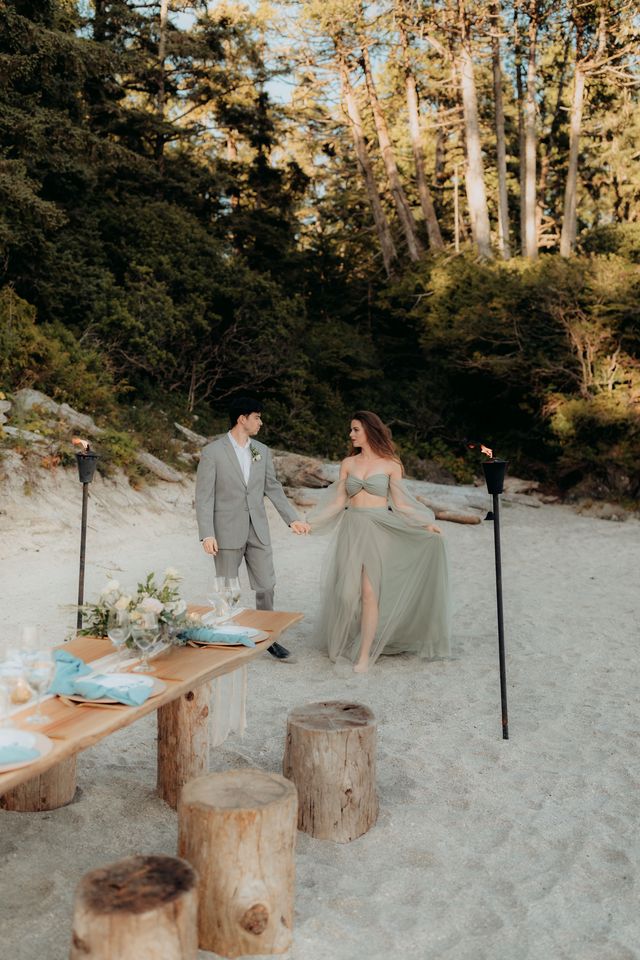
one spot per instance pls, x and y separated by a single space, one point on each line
278 651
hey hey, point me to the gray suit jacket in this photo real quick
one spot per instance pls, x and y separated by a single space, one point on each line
225 504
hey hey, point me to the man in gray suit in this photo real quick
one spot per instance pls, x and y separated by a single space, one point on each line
235 474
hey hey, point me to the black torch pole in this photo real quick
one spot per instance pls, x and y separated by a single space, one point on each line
86 470
494 473
83 546
503 668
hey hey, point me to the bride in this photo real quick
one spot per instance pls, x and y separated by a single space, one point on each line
386 587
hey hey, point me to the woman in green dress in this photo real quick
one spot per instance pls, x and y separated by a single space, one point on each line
386 585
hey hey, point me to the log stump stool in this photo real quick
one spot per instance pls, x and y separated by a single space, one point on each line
141 908
330 755
54 788
183 741
238 829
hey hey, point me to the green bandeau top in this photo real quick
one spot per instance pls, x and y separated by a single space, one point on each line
377 485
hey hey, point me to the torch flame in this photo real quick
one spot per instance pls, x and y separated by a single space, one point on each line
474 444
79 442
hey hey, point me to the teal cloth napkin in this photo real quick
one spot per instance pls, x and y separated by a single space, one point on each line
68 669
16 753
100 687
208 635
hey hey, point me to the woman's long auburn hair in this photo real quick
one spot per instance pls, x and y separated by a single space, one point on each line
378 436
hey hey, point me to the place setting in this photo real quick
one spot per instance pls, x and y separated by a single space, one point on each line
117 679
213 628
25 675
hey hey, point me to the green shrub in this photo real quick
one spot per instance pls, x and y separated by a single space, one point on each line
49 358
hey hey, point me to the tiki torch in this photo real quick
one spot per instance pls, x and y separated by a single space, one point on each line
494 473
87 461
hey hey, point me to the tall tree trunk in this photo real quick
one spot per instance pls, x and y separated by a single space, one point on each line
568 235
405 215
501 150
387 246
530 245
161 97
232 157
545 156
99 21
440 156
413 111
474 178
517 46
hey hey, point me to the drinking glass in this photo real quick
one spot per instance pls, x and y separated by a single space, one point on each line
29 637
221 587
118 628
233 586
144 634
5 704
6 685
39 667
219 598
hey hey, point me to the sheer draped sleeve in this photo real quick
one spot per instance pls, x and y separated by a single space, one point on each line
327 513
404 505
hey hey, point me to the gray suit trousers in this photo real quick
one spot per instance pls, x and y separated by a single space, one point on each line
259 561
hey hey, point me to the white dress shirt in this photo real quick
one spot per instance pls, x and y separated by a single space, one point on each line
244 456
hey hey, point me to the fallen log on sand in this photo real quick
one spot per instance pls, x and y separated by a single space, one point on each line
452 516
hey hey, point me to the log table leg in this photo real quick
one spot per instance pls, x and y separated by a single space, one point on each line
52 789
183 741
330 755
238 829
141 907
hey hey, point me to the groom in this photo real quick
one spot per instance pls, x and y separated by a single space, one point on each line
234 476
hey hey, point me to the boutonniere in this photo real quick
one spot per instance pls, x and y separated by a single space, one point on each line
256 456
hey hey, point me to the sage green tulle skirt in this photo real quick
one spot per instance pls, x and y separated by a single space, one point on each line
408 569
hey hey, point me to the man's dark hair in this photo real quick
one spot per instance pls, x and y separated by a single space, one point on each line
242 407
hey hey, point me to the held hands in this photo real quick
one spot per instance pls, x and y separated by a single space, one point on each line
300 527
210 545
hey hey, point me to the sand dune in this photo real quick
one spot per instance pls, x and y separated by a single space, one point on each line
518 850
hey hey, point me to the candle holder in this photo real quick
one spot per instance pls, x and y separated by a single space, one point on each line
494 474
87 462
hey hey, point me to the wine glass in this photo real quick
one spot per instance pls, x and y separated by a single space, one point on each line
5 691
233 586
39 667
118 628
219 598
5 704
29 637
144 634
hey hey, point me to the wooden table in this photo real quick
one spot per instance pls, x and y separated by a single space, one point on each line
183 717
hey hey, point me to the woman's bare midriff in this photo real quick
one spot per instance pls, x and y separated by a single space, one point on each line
364 499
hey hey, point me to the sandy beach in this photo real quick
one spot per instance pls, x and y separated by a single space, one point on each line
518 850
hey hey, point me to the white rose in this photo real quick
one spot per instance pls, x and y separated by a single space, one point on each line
111 586
172 574
177 607
122 603
152 605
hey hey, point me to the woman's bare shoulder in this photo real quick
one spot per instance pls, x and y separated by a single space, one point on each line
346 465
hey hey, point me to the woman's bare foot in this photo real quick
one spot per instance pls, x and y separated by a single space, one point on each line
361 667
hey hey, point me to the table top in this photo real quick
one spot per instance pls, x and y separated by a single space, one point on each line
75 727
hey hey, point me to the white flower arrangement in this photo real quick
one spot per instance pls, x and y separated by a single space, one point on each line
151 601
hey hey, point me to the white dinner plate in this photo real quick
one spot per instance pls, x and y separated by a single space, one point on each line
25 738
124 680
